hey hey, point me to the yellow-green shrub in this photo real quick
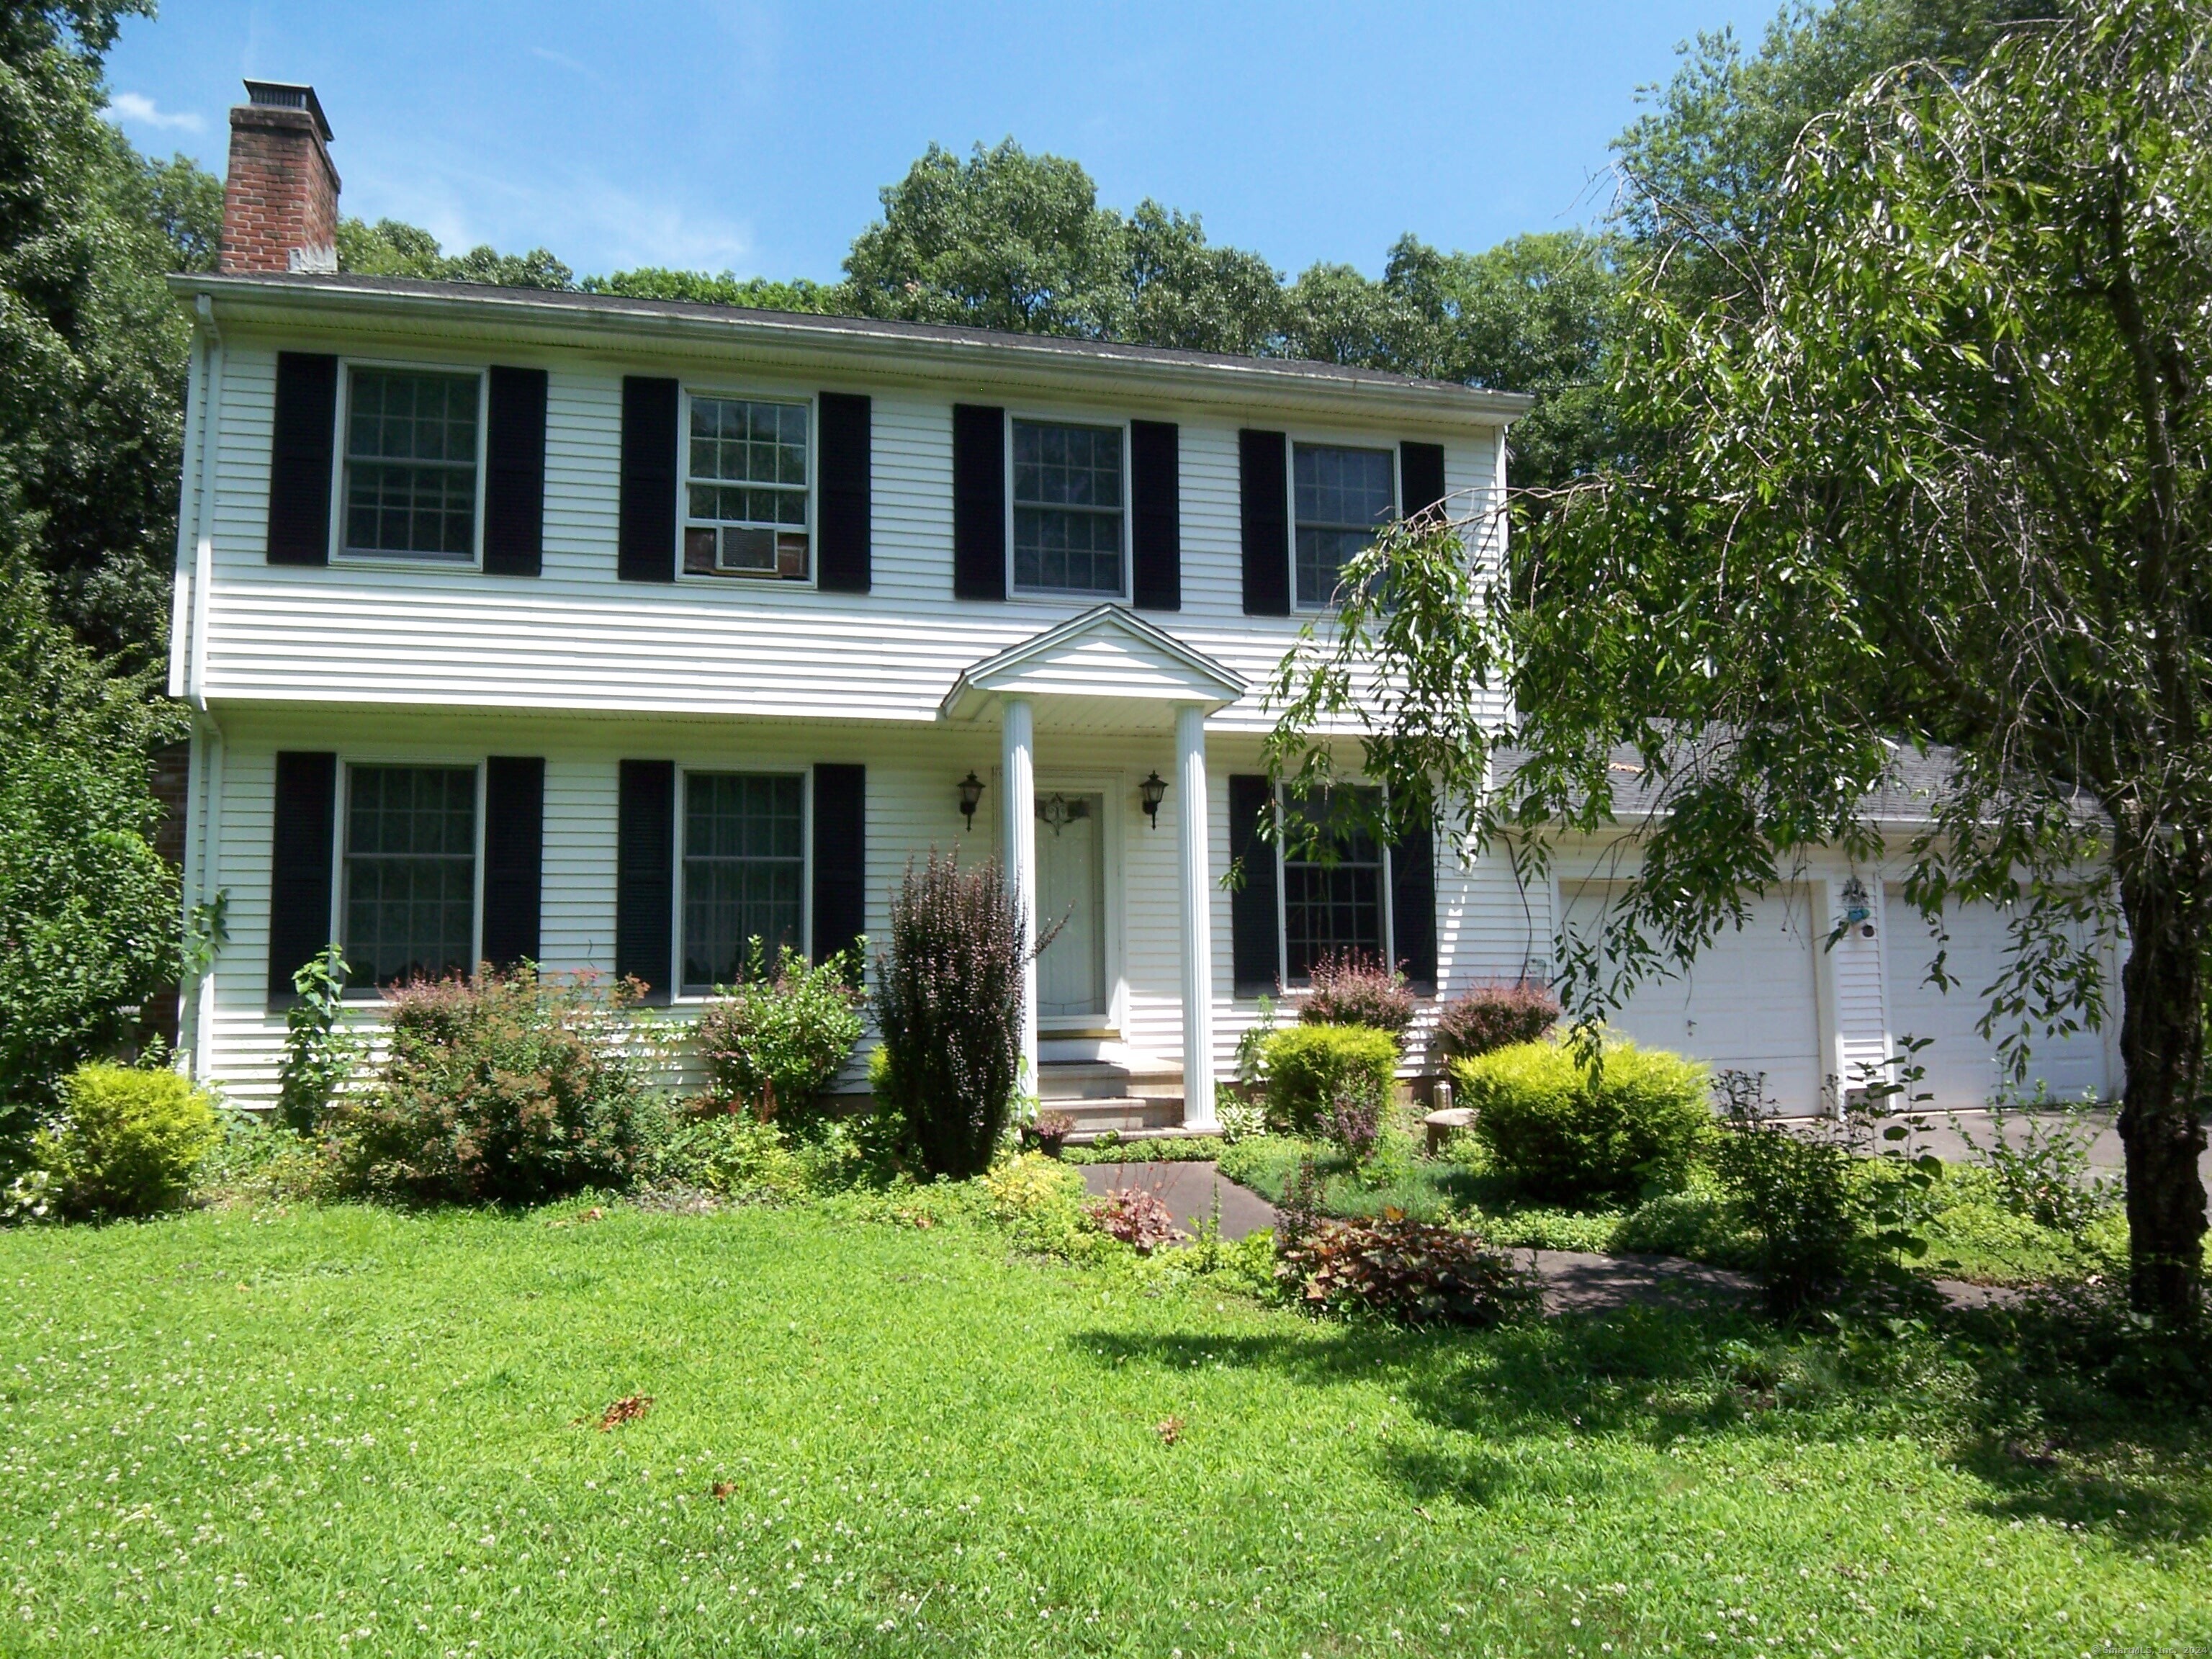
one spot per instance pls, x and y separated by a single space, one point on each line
1039 1201
127 1142
1566 1131
1308 1065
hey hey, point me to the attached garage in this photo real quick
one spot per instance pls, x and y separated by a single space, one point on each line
1961 1063
1750 1002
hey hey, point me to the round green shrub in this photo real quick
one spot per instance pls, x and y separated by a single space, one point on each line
126 1143
1309 1066
1565 1131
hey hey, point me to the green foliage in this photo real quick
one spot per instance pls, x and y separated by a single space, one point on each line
126 1142
257 1162
729 1154
511 1090
1402 1272
1041 1203
948 1006
2039 1157
1309 1066
726 289
775 1039
391 248
1570 1127
87 909
320 1052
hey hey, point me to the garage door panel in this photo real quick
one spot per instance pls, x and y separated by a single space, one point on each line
1962 1068
1749 1002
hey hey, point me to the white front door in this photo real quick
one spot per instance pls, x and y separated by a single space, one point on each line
1749 1002
1071 854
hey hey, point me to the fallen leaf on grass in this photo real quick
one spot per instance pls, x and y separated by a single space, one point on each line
722 1490
1170 1430
628 1409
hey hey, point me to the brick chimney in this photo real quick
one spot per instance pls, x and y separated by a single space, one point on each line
279 202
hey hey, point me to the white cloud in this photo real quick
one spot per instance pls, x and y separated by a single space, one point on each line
139 110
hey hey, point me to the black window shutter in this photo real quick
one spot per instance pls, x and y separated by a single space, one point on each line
300 454
514 857
645 876
515 473
1156 530
979 502
845 469
840 857
647 512
1421 471
1413 908
1264 462
1255 932
300 852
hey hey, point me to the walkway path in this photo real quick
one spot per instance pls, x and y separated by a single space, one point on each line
1574 1281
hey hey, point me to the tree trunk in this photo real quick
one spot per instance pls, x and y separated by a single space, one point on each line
2161 1122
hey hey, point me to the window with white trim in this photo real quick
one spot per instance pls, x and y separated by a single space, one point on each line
1341 497
745 489
409 909
1336 877
410 464
1067 509
745 872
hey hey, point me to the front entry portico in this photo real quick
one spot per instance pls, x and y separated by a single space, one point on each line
1104 674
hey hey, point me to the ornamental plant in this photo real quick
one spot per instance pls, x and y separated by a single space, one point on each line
1309 1066
1568 1127
1136 1216
1496 1016
126 1142
775 1039
948 1005
511 1089
319 1053
1349 988
1402 1272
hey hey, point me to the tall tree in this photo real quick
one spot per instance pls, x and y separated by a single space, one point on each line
1937 473
391 248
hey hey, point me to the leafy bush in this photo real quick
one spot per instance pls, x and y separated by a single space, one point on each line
774 1042
1135 1217
1309 1066
319 1052
1793 1188
510 1090
2043 1169
948 1003
1040 1203
728 1153
1351 988
87 908
1568 1132
1402 1272
126 1142
260 1160
1496 1016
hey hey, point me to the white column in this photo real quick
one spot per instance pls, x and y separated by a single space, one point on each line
1195 870
1018 772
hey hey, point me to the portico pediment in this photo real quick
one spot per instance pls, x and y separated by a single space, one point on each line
1107 665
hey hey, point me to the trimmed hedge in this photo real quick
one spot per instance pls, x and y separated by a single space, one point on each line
1566 1133
1309 1066
127 1142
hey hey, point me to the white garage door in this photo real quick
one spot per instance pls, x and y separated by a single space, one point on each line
1750 1002
1961 1063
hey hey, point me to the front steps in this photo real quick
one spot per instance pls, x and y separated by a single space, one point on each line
1103 1096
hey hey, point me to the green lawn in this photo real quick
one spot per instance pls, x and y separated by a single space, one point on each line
348 1431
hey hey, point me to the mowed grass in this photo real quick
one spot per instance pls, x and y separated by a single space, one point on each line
349 1430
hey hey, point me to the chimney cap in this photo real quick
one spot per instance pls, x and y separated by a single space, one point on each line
286 94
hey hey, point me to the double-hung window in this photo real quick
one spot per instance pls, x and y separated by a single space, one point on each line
744 866
1067 509
1342 496
1335 878
745 489
412 464
409 904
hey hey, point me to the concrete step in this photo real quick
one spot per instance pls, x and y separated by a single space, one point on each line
1124 1114
1063 1081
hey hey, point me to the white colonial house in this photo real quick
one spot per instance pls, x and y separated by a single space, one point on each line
610 634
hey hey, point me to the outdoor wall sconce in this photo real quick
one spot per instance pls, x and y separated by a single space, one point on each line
1150 793
1858 908
971 791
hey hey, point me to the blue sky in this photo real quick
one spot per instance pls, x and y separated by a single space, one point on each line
755 136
